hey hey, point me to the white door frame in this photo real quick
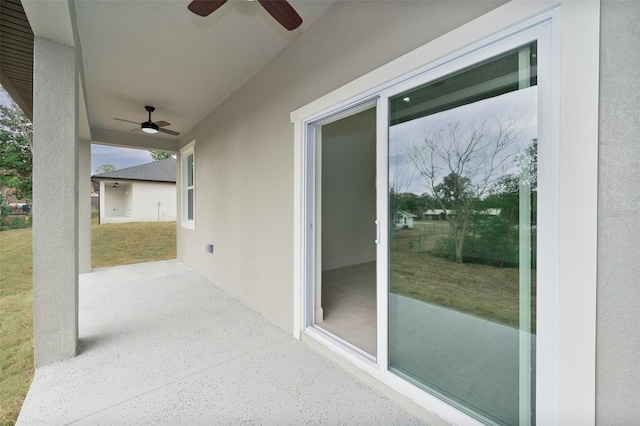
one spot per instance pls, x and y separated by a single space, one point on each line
313 223
573 93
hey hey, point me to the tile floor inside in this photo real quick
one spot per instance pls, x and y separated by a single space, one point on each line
349 304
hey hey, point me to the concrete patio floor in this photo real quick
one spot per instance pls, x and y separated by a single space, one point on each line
162 345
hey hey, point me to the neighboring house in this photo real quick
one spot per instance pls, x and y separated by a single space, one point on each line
19 208
437 214
404 219
491 212
145 193
441 214
253 137
16 206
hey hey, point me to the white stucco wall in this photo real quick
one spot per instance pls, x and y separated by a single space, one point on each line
147 196
114 205
84 206
618 327
137 201
244 149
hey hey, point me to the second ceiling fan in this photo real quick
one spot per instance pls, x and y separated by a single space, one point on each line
150 126
281 10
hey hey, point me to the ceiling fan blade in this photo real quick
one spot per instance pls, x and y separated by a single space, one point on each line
126 121
163 123
137 129
282 12
167 131
205 7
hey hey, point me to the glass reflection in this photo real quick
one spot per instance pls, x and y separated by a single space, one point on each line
462 197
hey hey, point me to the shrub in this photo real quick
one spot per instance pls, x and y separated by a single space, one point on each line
418 242
493 241
490 240
16 222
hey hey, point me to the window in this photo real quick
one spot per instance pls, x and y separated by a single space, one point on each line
188 185
462 296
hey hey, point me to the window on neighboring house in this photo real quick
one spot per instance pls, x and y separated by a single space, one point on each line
188 186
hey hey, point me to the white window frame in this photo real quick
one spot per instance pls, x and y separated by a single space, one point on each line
185 152
566 320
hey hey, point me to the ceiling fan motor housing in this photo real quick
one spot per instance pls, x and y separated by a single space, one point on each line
149 127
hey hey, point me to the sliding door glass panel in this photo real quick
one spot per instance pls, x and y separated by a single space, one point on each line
462 252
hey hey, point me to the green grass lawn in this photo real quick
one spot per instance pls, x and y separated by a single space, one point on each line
16 322
113 244
126 243
481 290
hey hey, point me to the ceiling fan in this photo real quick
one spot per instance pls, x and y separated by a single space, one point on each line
281 11
149 126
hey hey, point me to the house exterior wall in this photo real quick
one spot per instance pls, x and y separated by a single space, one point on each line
114 205
84 207
153 202
138 202
244 149
618 328
247 138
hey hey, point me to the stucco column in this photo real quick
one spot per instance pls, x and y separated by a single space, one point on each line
84 207
618 328
55 202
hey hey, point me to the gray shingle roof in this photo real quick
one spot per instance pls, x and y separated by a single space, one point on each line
157 171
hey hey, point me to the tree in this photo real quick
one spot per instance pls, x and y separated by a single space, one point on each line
412 203
505 193
105 168
457 198
16 158
460 164
400 181
161 155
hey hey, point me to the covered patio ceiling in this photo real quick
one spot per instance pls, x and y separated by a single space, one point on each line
16 54
158 53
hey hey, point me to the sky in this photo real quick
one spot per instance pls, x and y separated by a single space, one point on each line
121 158
519 107
4 100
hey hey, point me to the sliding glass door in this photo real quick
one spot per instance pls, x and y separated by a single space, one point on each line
462 173
459 218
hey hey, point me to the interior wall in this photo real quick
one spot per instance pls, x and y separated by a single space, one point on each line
244 151
618 294
349 191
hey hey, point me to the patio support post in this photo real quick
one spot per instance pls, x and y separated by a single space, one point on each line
55 201
84 206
